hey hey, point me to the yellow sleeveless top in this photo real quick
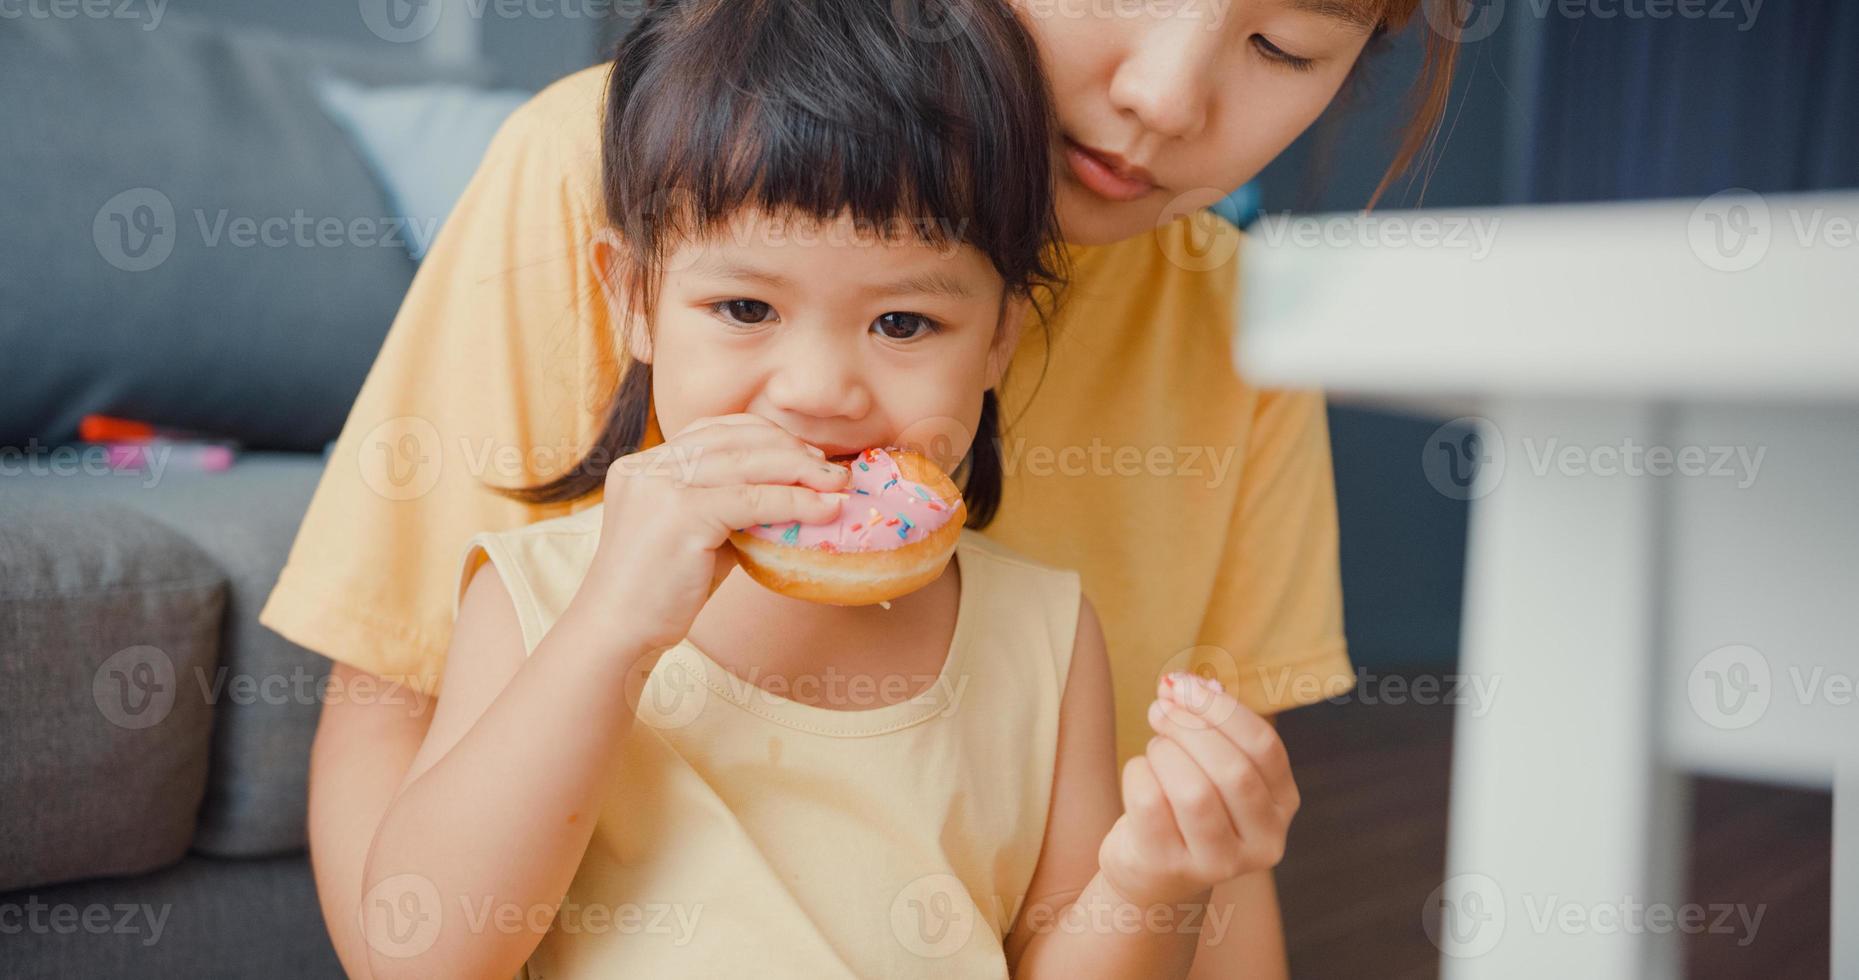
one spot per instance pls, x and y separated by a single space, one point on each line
752 835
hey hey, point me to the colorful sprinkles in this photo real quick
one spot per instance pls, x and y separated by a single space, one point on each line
896 495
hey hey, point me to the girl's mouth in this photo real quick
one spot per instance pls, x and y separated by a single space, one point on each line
1106 174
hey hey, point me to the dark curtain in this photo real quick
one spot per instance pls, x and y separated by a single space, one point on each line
1641 108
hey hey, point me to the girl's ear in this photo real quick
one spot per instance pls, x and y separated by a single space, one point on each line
1014 312
609 258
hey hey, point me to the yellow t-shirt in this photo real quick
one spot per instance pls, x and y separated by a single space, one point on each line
1199 511
748 834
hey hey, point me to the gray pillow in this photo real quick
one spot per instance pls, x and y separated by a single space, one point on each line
189 239
106 618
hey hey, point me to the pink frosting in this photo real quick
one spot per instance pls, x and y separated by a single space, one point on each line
884 511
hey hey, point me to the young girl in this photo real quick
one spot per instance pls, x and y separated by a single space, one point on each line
826 233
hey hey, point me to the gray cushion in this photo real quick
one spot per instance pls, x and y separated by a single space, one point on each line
199 918
264 688
106 617
135 166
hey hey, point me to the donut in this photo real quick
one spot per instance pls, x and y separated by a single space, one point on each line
894 534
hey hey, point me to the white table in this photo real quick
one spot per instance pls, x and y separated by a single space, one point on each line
1639 626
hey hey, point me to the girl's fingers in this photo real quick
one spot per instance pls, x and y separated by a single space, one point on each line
1220 712
737 507
778 465
1249 805
1145 806
718 430
1200 809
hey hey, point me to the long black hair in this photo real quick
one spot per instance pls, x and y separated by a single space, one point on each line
927 115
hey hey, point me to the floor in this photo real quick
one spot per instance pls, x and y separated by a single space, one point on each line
1370 844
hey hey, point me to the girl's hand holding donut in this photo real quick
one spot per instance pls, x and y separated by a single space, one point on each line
1209 801
668 512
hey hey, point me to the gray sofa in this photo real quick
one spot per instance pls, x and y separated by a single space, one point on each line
157 736
154 738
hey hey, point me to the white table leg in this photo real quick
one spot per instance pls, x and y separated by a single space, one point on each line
1563 825
1846 866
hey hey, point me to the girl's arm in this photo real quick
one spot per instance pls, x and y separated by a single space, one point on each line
1068 924
1134 889
474 854
366 737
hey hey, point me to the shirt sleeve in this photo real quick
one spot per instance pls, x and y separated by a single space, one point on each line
1273 633
496 371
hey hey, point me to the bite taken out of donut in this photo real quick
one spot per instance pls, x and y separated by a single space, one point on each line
895 533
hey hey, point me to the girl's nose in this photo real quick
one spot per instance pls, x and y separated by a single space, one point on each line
818 381
1167 79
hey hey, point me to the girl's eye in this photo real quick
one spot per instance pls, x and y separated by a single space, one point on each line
747 312
1275 53
903 326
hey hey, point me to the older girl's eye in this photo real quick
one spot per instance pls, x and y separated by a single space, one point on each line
1273 52
747 312
904 326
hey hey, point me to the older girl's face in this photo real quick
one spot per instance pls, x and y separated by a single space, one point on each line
1164 106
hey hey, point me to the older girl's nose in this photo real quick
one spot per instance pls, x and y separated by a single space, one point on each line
1167 79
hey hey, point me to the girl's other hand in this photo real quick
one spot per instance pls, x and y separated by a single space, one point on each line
1209 801
664 539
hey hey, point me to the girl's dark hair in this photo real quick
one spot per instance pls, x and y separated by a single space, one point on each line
927 118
